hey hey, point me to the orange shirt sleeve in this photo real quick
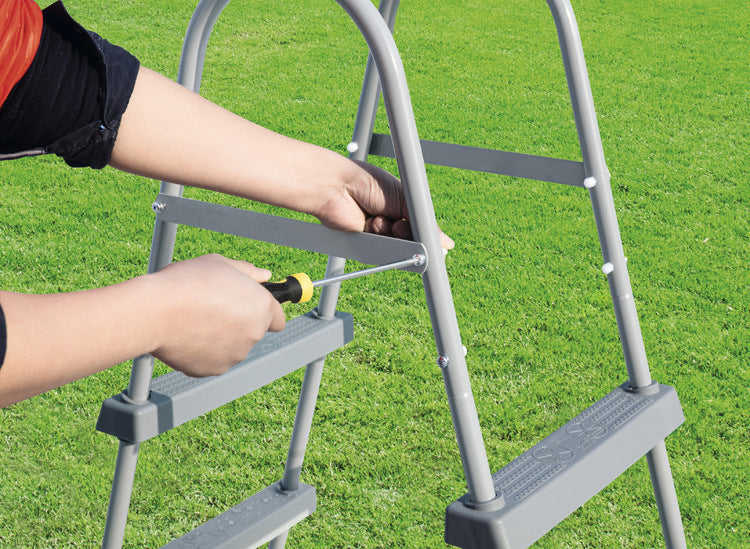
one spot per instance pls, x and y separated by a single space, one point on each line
20 33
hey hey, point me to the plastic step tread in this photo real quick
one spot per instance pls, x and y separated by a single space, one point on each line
253 522
176 398
551 480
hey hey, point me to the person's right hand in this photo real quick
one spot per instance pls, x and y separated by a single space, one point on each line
215 310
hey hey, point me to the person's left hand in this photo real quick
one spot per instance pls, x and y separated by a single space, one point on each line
372 201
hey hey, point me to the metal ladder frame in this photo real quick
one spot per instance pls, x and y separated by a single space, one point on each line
385 74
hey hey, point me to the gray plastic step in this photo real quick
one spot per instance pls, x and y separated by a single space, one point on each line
551 480
176 398
253 522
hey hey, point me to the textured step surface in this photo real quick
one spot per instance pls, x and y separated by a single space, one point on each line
551 480
176 398
253 522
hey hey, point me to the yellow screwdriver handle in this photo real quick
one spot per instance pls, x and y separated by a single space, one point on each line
296 288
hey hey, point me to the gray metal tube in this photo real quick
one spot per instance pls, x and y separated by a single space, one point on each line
597 181
363 127
329 298
371 89
119 498
308 397
425 229
196 41
600 192
666 497
162 248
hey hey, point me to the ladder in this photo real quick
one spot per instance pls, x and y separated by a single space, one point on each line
511 508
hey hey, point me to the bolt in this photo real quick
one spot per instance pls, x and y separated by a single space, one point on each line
158 207
419 260
442 361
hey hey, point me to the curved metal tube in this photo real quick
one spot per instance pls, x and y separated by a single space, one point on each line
424 226
601 193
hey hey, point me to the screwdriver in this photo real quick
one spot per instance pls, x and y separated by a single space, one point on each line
298 288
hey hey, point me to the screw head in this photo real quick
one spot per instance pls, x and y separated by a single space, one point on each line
158 207
443 361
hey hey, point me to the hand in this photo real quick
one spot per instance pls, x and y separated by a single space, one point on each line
371 201
216 310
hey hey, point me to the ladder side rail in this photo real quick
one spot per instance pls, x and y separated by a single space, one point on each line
367 109
363 128
162 247
425 229
613 255
600 193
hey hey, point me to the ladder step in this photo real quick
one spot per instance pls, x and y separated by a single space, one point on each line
551 480
176 398
253 522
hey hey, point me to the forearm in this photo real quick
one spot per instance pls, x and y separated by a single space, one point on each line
172 134
200 316
55 339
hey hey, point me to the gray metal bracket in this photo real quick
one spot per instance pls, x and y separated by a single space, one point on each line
363 247
527 166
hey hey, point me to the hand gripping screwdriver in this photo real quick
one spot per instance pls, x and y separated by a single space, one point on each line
298 288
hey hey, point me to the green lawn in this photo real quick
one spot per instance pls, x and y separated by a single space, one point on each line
670 82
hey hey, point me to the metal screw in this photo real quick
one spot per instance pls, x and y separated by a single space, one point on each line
443 361
419 260
158 207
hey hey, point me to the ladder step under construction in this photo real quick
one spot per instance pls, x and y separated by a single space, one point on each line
551 480
176 398
253 522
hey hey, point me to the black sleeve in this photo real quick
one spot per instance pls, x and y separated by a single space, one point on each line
3 337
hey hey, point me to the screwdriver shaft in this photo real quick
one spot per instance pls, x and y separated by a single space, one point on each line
415 260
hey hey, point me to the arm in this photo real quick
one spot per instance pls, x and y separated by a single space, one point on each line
170 133
200 316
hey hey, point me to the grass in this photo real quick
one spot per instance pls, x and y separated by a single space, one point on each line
670 85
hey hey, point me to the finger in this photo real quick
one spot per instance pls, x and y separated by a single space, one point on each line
402 229
446 241
248 269
381 225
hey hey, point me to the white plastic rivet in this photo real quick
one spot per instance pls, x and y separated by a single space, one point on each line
445 252
607 268
466 351
589 182
352 147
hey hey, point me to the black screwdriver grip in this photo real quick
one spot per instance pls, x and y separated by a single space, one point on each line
296 288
